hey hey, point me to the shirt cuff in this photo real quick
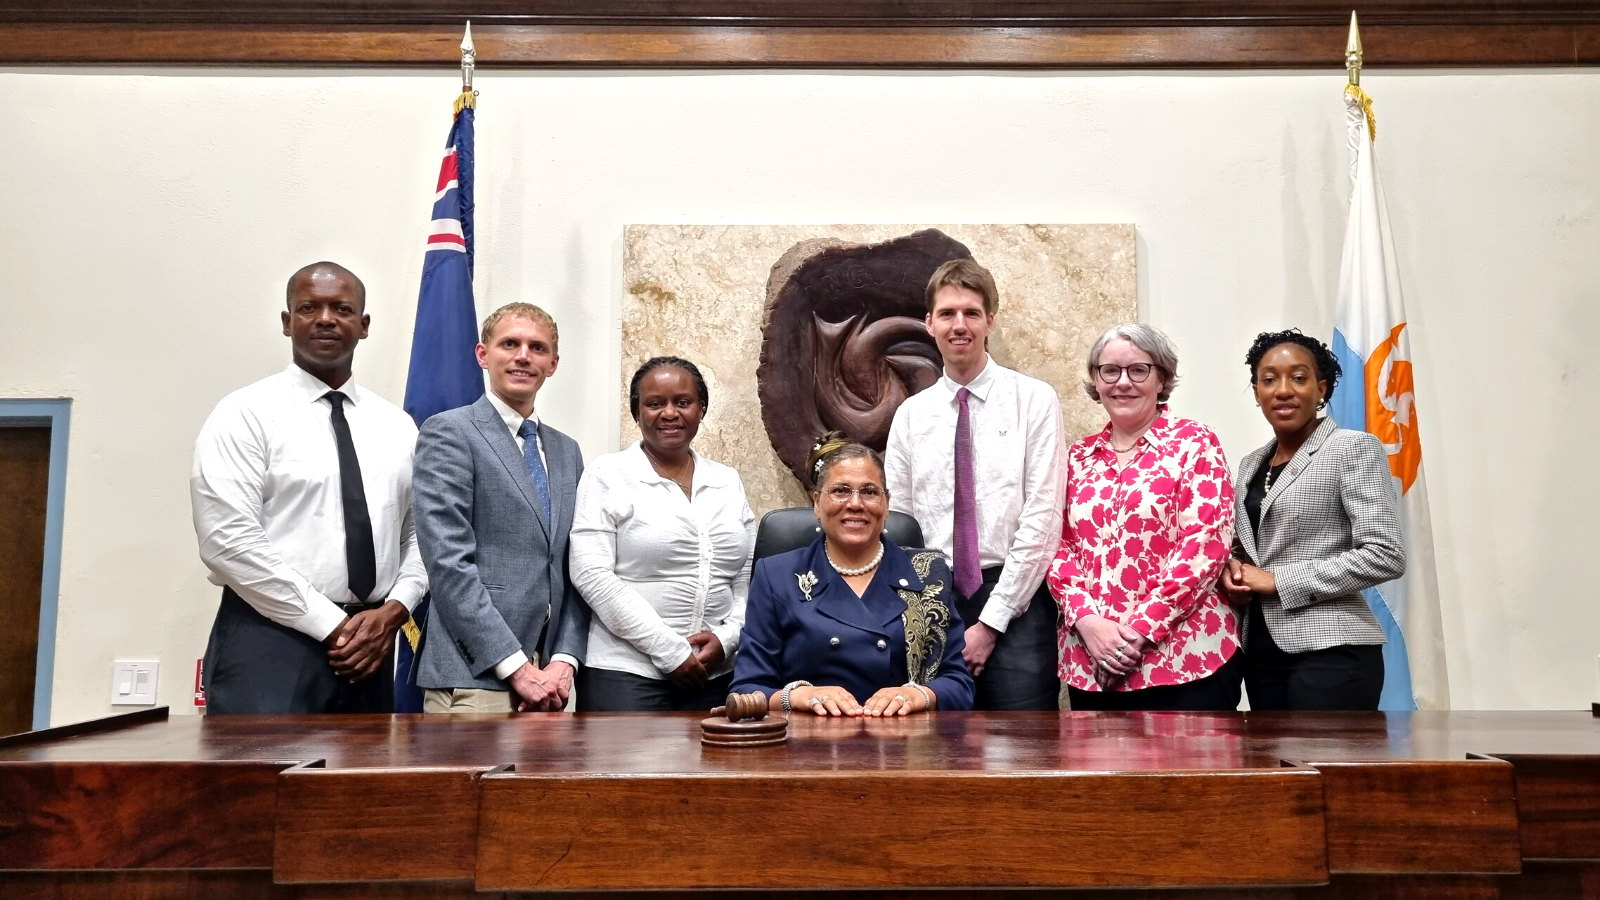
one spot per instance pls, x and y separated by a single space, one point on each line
1074 605
567 658
669 659
409 593
729 638
1151 630
1294 588
509 665
321 618
997 616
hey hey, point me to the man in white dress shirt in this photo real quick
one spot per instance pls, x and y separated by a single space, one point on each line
301 493
495 492
977 459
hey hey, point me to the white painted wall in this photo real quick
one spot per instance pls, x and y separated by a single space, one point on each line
152 216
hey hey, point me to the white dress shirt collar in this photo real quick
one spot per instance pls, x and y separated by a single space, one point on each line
642 470
511 417
978 386
314 388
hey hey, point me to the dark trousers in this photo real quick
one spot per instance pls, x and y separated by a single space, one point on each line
607 690
1022 671
1349 676
1217 692
254 666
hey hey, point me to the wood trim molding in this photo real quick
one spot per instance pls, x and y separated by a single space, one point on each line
794 33
91 726
824 13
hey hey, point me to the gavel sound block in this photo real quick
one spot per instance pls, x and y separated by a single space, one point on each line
743 722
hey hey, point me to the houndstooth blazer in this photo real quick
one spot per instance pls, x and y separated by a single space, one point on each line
1330 527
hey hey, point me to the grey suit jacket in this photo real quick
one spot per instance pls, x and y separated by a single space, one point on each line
1330 527
496 566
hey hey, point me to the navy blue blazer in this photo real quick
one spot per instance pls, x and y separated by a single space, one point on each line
838 639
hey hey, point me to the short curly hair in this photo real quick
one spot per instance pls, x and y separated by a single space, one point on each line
1328 368
668 362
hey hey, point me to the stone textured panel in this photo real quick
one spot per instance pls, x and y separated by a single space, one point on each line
699 291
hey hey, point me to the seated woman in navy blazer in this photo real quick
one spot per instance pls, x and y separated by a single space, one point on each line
852 625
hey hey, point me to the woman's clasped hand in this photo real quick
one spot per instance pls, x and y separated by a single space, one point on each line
836 701
1241 581
1114 647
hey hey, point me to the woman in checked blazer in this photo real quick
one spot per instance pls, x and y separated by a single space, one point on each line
1320 522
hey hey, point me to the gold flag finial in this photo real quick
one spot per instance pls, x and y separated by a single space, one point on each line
1352 51
1353 91
469 59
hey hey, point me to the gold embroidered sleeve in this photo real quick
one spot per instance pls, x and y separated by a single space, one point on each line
926 621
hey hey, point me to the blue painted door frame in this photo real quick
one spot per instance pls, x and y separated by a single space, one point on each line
55 414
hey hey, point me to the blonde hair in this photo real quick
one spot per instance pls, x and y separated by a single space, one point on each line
522 311
965 272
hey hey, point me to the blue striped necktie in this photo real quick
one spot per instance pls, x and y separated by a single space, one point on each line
529 433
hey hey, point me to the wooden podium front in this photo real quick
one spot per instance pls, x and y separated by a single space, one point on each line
1250 805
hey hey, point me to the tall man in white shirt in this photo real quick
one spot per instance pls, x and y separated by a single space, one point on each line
495 493
301 492
977 459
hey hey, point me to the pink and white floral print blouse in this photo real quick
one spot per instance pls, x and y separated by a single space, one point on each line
1144 546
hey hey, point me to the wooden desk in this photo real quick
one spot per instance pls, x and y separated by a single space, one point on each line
1236 805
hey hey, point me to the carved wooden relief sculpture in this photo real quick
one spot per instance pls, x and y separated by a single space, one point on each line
843 340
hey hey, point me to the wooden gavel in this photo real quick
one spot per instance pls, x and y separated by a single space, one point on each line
738 707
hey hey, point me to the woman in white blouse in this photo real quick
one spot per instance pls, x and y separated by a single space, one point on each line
660 549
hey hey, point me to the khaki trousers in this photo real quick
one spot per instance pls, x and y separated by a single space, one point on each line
465 700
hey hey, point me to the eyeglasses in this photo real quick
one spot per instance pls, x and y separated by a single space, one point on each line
870 494
1137 373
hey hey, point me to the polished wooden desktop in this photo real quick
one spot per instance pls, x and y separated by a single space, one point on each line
1446 804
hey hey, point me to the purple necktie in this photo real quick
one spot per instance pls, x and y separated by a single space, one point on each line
969 575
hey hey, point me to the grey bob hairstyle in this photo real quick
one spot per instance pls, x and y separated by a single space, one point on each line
1146 338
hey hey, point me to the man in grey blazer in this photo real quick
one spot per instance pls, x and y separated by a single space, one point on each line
493 495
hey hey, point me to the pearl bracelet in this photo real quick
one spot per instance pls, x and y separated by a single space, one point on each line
926 694
783 701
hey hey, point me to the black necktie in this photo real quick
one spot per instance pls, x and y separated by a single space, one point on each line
358 553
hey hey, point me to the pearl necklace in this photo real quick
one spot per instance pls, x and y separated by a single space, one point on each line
1272 475
850 573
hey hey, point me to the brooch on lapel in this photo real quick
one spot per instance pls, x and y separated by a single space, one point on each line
807 582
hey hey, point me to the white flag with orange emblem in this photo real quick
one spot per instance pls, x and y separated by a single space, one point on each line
1372 343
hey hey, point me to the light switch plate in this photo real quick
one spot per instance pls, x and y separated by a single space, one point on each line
133 682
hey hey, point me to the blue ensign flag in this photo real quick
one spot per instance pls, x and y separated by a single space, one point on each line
444 371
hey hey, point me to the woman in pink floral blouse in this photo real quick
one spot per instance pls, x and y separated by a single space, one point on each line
1149 522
